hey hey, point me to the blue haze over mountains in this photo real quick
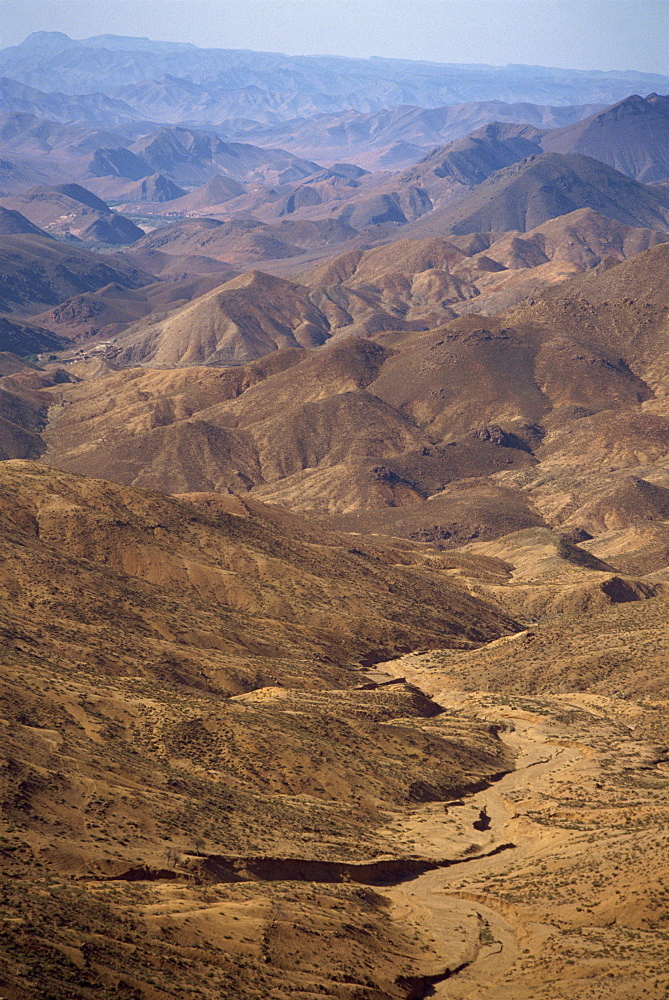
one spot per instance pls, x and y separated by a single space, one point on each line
164 81
112 113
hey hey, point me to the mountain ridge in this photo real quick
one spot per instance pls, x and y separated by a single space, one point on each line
35 63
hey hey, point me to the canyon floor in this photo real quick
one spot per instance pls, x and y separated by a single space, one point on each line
207 867
574 904
550 882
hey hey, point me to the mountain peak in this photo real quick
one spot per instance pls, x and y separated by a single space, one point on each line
47 41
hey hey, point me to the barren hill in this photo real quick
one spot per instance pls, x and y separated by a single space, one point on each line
71 511
624 306
547 255
404 285
13 224
584 238
70 210
24 395
244 241
183 675
532 191
392 138
112 308
38 272
25 339
466 162
155 189
188 156
247 317
217 190
496 179
630 136
45 152
443 436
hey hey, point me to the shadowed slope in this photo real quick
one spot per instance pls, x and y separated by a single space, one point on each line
38 272
70 210
238 558
13 224
112 308
631 136
532 191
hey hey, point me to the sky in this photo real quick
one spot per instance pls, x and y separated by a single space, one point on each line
578 34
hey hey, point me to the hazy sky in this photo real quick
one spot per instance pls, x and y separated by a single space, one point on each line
583 34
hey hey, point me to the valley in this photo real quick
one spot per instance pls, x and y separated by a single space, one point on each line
334 527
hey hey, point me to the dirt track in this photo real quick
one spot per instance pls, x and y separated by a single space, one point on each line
508 925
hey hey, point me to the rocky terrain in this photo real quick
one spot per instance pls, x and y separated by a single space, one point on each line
334 520
422 826
203 641
225 749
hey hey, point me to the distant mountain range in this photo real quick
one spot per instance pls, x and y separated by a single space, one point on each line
207 182
89 108
393 137
182 83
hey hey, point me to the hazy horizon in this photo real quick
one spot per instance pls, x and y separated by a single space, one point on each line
599 35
